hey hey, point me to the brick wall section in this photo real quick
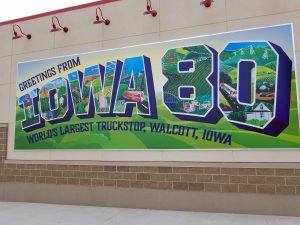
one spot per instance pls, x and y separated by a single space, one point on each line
3 144
204 179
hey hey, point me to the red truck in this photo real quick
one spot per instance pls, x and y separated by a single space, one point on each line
137 96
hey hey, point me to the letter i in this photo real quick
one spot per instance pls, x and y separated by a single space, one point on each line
204 133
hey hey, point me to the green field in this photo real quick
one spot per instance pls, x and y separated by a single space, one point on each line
263 73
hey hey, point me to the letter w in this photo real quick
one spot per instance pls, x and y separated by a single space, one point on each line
92 90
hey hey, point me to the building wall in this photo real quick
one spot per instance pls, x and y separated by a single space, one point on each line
250 187
259 188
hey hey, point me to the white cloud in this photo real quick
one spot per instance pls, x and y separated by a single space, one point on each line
14 9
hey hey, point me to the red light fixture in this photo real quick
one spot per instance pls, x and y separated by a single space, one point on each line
55 28
206 3
103 20
17 36
150 10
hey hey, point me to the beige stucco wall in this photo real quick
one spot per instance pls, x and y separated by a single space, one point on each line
176 19
41 181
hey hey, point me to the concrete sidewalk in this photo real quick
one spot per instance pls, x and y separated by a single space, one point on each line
13 213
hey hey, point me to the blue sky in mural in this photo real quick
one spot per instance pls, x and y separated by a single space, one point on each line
232 47
15 9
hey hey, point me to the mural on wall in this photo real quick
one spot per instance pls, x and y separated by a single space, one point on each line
226 91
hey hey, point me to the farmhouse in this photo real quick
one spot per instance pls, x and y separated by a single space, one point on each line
261 112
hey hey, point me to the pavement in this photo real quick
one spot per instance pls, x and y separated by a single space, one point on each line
15 213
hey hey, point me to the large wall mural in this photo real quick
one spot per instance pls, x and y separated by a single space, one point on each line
233 90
